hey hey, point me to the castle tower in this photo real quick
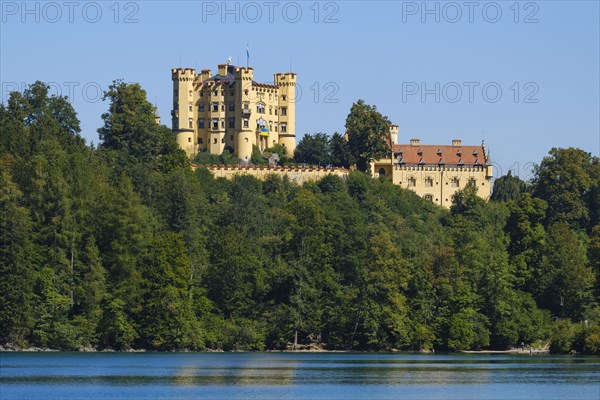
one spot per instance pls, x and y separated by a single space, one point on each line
393 134
156 116
183 113
245 99
287 111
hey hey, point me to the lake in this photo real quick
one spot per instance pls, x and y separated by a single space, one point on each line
230 376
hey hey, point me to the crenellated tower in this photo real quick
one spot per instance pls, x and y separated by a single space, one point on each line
183 113
286 82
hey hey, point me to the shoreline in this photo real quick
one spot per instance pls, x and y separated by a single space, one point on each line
92 350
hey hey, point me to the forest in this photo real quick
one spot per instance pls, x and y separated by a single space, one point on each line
123 245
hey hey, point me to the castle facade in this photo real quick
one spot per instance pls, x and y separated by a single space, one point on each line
435 172
229 110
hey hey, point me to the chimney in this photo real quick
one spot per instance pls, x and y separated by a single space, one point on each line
415 142
204 75
456 142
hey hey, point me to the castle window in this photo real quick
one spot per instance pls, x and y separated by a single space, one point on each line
191 93
245 122
283 110
223 107
472 181
270 125
412 182
231 94
189 140
215 106
223 140
190 123
428 182
215 141
223 123
260 108
381 171
246 92
191 106
201 94
200 141
232 122
428 197
215 123
284 127
231 106
283 97
201 123
276 111
246 106
276 127
270 110
201 107
455 182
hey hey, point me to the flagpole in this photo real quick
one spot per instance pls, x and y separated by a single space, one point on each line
247 55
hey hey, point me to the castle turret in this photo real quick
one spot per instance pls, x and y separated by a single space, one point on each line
393 134
156 116
245 98
287 110
183 113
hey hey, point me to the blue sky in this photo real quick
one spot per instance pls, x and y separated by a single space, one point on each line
524 76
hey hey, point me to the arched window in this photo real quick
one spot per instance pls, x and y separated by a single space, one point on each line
381 171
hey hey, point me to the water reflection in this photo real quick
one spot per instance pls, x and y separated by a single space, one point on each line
357 375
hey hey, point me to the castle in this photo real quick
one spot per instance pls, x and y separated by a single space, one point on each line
231 111
435 172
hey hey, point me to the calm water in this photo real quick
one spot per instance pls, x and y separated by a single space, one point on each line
92 376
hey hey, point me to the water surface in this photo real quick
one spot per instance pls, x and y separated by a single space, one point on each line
93 376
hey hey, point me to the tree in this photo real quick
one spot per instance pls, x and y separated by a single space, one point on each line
16 285
129 127
367 132
508 187
341 154
565 180
566 281
313 150
527 234
168 317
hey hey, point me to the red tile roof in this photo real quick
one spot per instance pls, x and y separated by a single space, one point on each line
435 154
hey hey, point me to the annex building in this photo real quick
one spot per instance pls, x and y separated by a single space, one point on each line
229 110
436 172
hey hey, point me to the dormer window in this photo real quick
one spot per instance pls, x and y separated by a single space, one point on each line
439 152
458 153
419 152
475 153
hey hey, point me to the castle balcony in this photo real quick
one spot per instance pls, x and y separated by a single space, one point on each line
246 112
